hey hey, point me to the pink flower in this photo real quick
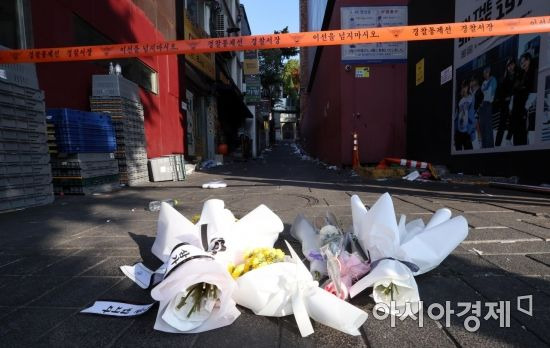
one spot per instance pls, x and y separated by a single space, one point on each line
332 289
352 268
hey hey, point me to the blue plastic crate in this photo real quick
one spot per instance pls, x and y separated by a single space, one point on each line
70 117
79 148
85 133
81 131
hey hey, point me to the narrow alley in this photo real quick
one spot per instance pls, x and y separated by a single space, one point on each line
57 259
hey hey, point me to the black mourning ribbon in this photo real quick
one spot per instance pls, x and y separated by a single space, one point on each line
183 259
412 266
366 256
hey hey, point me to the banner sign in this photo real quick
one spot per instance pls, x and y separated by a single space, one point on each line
374 17
502 84
251 65
420 72
205 62
253 89
304 39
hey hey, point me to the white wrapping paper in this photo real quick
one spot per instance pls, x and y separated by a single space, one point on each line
403 250
286 288
179 244
259 228
212 315
304 231
172 229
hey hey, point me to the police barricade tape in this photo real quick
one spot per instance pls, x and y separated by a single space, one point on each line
502 27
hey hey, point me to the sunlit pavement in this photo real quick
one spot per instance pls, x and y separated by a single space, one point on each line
58 259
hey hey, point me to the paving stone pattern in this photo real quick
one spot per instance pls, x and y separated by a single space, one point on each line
58 259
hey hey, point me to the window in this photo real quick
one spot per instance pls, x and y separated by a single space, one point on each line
15 24
87 35
199 13
133 69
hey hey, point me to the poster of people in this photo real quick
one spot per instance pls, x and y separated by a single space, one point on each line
502 84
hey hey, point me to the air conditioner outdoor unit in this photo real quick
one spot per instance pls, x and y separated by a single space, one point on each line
220 25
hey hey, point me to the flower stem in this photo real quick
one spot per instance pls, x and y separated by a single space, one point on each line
388 290
197 293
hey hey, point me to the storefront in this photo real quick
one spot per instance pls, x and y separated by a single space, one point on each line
201 104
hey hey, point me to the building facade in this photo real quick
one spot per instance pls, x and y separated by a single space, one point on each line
181 95
368 91
62 23
230 84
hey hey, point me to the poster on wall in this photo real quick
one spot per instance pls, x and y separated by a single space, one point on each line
502 84
374 17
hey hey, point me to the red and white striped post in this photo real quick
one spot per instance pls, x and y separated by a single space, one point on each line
407 163
355 153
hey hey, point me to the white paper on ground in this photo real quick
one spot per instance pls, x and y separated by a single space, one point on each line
286 288
412 176
140 274
117 309
214 185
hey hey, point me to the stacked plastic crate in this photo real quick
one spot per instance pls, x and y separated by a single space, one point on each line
25 175
119 97
85 161
167 168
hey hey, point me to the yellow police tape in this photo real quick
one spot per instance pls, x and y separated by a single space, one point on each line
501 27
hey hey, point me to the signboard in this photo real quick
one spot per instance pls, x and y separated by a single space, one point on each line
286 118
446 75
374 17
501 88
362 72
251 65
190 129
253 89
264 109
204 62
420 72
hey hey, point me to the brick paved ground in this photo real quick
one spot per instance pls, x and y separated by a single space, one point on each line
56 260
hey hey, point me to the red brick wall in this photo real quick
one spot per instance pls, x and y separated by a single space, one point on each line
336 96
69 84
